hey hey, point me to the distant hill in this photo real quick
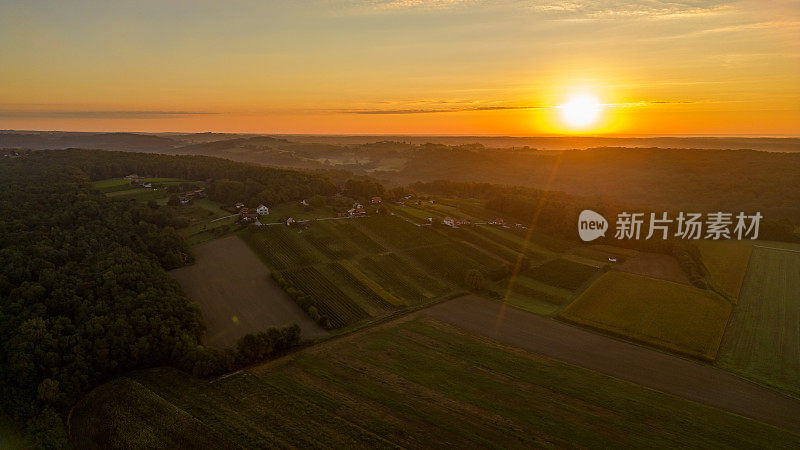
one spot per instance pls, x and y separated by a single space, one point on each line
771 144
105 141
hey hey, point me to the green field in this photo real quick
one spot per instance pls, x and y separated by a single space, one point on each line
669 315
397 232
726 262
144 418
533 296
345 270
451 261
415 383
763 339
401 279
563 274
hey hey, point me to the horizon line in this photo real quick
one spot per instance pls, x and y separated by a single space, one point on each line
575 135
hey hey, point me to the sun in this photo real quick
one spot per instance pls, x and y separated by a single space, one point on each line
580 110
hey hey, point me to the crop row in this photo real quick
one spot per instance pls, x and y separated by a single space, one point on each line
280 247
329 299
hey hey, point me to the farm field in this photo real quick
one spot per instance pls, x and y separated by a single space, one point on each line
662 371
726 262
397 232
341 265
762 341
655 265
669 315
533 296
563 274
420 383
236 295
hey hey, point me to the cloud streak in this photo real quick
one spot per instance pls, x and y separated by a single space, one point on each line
42 114
497 108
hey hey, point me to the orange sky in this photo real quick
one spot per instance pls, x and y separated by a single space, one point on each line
470 67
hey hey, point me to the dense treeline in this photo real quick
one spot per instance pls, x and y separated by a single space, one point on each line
659 178
231 181
83 290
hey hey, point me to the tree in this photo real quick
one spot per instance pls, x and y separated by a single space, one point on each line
475 280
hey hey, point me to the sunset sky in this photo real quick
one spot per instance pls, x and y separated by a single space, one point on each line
402 66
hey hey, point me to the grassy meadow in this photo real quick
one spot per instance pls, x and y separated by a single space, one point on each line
413 383
669 315
726 262
763 339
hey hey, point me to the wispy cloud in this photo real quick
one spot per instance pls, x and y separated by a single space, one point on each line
588 9
432 110
437 110
43 114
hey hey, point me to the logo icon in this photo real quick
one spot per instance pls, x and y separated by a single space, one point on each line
591 225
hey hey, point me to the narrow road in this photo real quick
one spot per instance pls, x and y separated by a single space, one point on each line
693 380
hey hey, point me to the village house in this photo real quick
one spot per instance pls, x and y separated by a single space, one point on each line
250 217
147 185
304 202
262 210
239 205
185 200
497 221
132 176
289 221
376 200
449 222
356 212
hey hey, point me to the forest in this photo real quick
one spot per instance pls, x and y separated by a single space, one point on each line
84 293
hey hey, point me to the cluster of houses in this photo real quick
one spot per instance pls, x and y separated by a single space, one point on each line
188 196
248 215
136 180
356 211
455 223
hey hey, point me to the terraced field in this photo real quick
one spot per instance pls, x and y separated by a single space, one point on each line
533 296
762 341
340 307
403 280
673 316
280 247
451 261
398 232
414 383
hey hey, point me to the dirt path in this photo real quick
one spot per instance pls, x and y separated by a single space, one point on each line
236 293
671 374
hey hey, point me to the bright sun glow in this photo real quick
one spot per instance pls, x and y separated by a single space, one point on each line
580 110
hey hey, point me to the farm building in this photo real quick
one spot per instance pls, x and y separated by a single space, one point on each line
262 210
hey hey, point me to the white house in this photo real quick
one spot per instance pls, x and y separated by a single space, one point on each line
449 221
262 210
